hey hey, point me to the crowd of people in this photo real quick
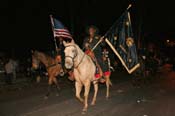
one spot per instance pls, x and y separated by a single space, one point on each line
153 64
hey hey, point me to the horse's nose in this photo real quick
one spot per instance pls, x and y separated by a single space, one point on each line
68 64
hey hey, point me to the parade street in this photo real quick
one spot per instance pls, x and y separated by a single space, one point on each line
155 98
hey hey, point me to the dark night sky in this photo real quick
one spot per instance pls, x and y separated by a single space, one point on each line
25 22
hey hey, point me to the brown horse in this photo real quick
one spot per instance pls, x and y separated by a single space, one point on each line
52 65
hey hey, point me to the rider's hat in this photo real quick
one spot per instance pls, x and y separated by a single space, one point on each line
94 27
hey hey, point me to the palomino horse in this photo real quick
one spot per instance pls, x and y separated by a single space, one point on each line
84 71
52 66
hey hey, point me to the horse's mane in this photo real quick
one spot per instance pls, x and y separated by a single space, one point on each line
74 44
47 55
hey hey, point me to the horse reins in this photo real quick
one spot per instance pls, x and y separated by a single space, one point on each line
80 61
53 65
47 66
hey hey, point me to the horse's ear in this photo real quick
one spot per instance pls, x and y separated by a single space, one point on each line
72 41
32 51
64 43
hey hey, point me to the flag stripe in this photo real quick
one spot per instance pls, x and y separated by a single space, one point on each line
62 30
59 29
58 33
64 36
63 33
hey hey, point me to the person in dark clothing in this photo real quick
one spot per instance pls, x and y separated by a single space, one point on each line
106 63
89 42
60 56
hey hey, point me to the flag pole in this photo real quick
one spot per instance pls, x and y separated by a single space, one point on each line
129 6
123 63
56 47
101 39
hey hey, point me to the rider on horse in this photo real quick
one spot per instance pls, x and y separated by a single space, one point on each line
96 55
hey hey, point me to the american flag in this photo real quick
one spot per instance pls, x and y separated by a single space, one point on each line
59 29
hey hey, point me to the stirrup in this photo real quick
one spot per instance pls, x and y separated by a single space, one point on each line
102 80
62 73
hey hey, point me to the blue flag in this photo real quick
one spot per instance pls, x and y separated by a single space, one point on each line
120 37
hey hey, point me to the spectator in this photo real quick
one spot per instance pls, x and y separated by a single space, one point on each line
15 65
9 71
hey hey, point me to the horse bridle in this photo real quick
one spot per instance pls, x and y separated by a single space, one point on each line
73 58
37 62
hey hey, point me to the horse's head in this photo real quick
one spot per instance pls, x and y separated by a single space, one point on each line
35 60
70 54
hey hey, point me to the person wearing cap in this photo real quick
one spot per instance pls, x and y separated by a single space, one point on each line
89 42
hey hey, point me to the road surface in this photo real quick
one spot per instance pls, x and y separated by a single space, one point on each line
156 98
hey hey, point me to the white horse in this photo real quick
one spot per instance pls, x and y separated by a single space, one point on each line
84 71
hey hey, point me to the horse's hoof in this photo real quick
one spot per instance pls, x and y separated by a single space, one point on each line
107 98
84 111
57 94
93 104
45 97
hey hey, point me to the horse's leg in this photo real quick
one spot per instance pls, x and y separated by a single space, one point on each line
87 85
57 85
108 83
78 87
95 83
49 87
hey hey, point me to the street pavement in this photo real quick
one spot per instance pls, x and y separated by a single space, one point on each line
154 98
